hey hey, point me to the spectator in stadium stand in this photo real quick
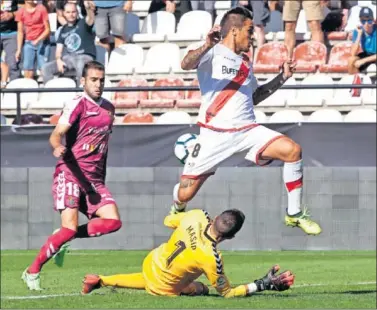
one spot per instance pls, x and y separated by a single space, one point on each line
111 16
177 7
60 10
8 40
204 5
340 7
364 37
77 38
314 16
33 36
261 15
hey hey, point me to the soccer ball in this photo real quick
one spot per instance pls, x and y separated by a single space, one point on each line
184 145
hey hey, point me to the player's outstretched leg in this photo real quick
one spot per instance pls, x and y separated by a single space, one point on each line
92 282
289 152
184 191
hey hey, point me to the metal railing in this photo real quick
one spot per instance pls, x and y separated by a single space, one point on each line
19 91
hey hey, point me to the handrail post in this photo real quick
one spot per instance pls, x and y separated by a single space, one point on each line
18 96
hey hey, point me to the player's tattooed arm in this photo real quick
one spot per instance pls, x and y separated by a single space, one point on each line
192 59
266 90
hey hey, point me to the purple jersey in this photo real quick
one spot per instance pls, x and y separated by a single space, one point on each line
87 140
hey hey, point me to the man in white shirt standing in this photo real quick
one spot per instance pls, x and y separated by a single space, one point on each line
226 117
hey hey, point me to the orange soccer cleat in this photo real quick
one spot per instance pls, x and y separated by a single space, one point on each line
91 282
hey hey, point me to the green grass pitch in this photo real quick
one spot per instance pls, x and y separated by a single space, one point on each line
334 279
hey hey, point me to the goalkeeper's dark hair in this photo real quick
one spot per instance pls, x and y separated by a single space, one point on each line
228 223
234 18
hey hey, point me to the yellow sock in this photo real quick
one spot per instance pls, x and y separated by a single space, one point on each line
132 280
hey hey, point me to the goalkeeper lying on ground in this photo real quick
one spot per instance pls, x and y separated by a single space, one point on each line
172 268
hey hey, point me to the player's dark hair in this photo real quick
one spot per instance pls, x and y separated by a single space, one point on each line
92 65
228 223
234 18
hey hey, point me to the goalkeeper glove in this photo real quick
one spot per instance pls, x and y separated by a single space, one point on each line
273 281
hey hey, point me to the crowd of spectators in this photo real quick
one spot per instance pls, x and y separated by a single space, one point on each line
25 30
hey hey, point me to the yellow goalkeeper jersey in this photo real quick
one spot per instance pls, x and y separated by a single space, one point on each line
189 253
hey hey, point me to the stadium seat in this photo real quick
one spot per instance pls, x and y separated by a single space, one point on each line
281 96
275 24
326 116
132 26
55 100
353 19
310 56
338 59
9 101
53 21
155 27
313 97
270 57
260 117
108 94
161 58
361 116
191 46
174 117
141 7
219 17
302 25
193 99
164 99
138 117
124 59
222 5
54 119
193 26
344 96
369 96
286 116
130 99
3 120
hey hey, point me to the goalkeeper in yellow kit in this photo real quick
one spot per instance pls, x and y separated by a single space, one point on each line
172 268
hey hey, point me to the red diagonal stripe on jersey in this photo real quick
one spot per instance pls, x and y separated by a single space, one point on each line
229 90
294 184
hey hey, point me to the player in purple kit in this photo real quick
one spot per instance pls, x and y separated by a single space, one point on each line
79 178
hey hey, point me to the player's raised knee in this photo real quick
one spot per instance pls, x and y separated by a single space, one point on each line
291 150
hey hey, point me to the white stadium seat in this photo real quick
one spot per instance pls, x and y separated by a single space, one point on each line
361 116
260 117
132 26
193 26
141 7
55 100
161 58
108 95
52 19
155 27
219 17
286 116
192 46
313 97
281 96
353 19
174 117
326 116
124 59
302 25
344 96
222 4
9 101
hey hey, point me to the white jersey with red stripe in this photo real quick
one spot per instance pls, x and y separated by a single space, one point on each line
227 84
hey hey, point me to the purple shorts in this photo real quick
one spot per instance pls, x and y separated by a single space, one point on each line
68 193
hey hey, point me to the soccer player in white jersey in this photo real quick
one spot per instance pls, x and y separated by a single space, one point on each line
226 117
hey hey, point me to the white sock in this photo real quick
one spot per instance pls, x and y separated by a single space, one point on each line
292 176
179 206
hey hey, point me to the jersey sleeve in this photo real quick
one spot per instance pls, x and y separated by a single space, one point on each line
71 112
214 272
174 220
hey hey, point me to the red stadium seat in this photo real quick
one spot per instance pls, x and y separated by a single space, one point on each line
310 56
338 60
164 99
270 57
337 35
130 100
193 98
138 117
54 119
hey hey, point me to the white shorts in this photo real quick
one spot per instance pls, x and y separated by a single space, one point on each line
213 147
